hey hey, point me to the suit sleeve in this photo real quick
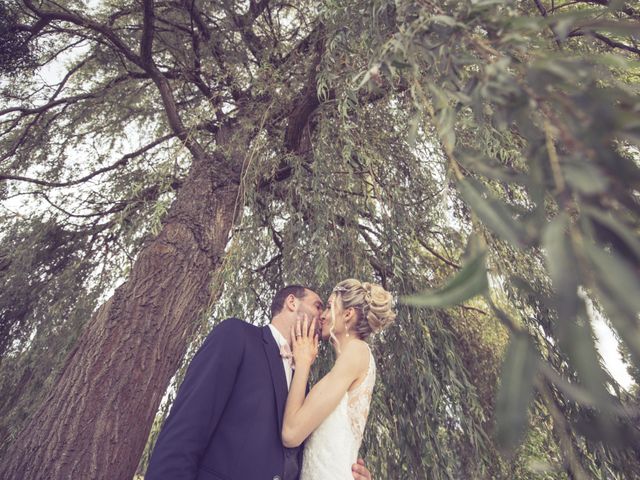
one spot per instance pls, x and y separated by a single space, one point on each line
199 404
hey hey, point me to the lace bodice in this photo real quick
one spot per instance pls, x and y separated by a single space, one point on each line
333 447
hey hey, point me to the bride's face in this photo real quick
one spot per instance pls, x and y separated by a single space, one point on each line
326 319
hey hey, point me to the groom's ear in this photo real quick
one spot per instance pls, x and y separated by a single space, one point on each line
291 302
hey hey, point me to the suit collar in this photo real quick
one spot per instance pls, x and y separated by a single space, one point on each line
276 368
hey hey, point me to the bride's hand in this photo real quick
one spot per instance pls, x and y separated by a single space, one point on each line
304 340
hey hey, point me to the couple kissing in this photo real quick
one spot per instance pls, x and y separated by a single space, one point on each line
244 410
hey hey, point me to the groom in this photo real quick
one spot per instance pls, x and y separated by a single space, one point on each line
226 420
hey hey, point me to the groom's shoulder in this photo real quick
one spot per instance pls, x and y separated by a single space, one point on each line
229 332
232 325
236 326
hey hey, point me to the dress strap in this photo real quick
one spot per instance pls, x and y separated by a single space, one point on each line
371 371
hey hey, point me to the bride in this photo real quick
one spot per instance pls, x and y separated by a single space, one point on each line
332 417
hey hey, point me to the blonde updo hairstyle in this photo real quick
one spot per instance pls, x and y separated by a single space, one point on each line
371 302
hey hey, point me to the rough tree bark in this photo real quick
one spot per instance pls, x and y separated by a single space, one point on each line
95 421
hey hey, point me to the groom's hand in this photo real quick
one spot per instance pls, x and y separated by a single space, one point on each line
359 471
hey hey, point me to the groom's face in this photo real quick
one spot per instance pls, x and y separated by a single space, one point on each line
311 305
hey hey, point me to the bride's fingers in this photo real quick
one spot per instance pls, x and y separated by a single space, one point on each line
312 328
305 326
298 329
293 335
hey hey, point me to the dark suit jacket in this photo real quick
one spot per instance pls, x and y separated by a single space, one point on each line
226 420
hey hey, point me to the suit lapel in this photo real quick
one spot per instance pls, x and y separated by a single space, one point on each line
276 368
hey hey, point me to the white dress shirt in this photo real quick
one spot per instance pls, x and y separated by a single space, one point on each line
280 340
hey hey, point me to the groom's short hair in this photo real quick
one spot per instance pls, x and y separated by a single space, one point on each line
281 295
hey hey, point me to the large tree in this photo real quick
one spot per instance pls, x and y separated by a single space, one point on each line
208 152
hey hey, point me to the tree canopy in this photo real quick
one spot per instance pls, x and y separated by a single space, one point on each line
165 164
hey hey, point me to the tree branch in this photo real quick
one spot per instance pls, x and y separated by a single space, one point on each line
191 7
626 9
121 162
143 63
562 429
244 24
82 21
150 193
437 255
146 43
580 33
39 111
306 105
612 43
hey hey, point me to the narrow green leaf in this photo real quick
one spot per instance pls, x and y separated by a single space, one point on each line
561 263
626 326
365 76
585 178
414 124
495 214
490 168
444 19
515 393
557 66
536 188
470 281
440 97
486 3
584 397
616 27
618 276
446 127
616 226
579 344
563 26
619 295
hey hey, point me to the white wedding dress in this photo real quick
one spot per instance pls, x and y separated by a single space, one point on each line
332 448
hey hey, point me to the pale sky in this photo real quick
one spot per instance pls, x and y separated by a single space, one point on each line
608 348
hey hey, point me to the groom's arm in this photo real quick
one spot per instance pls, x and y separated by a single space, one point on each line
199 404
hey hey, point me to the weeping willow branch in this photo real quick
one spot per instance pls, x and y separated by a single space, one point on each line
120 163
562 430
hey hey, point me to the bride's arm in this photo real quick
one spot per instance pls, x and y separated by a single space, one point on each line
303 415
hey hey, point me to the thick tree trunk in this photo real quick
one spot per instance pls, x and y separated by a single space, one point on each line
96 420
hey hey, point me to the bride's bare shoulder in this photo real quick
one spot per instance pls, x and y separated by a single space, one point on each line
357 345
358 350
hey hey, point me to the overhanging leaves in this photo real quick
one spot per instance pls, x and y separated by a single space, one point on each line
494 213
515 394
470 281
561 264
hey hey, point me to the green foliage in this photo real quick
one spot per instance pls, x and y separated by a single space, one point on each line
41 313
470 281
484 66
515 395
512 123
15 52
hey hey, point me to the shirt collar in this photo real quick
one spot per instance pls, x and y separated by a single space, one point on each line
279 338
